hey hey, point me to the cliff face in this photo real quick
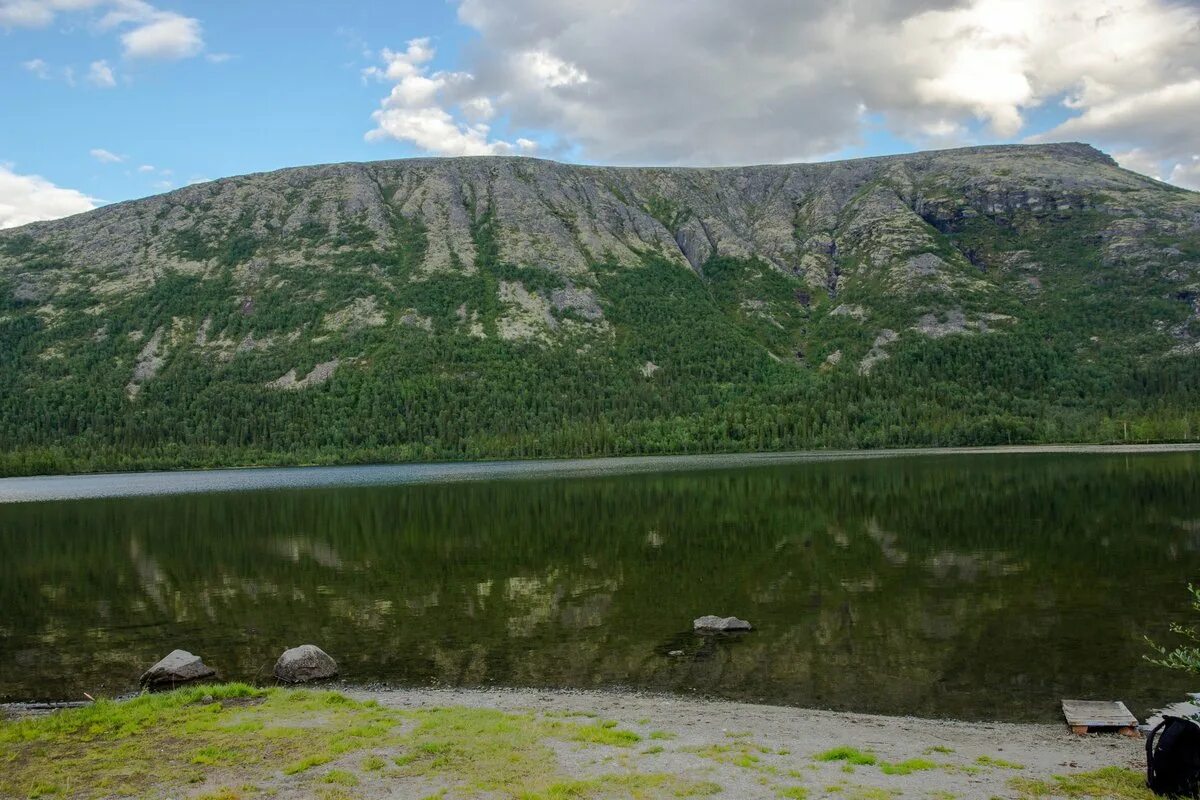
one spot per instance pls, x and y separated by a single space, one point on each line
565 218
284 281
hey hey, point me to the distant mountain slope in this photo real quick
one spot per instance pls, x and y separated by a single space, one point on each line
478 307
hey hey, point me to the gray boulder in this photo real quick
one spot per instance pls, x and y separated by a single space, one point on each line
713 623
179 667
305 663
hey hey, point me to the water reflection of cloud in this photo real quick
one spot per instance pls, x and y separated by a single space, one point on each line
969 567
574 602
295 548
889 543
150 575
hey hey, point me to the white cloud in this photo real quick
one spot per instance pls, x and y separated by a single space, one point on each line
146 168
1187 173
26 13
477 109
1160 126
164 36
101 74
38 67
147 31
434 110
714 82
550 71
398 66
105 156
29 198
1139 160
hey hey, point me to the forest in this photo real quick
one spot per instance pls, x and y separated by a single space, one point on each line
732 355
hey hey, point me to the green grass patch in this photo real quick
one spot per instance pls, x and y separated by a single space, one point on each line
158 745
744 754
308 762
340 777
997 763
216 755
850 755
633 786
908 766
603 733
1112 783
856 791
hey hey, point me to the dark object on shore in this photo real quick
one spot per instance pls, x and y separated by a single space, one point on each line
715 624
1096 716
305 663
177 669
1173 758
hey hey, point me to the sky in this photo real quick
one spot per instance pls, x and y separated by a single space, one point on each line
108 100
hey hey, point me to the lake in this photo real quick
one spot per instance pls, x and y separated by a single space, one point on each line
975 586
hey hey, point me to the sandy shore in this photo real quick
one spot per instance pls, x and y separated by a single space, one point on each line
710 741
457 744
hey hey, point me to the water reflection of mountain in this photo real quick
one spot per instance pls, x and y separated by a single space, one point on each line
899 586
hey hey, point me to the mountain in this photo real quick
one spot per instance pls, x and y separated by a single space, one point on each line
513 307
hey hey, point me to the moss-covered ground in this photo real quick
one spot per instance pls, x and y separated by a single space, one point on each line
235 741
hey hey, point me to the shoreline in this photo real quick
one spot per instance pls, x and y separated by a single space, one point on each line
981 760
731 749
985 757
36 488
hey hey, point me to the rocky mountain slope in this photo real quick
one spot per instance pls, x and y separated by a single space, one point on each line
472 307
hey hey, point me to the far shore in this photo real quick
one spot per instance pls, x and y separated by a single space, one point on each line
132 484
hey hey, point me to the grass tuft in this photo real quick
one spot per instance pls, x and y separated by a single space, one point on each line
1112 783
852 755
340 777
908 766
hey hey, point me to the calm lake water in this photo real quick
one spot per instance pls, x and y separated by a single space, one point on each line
973 586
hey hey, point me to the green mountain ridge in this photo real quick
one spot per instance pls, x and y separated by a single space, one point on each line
512 307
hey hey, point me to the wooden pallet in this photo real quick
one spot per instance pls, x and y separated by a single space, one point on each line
1096 716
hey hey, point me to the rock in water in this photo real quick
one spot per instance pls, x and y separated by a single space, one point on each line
721 624
178 668
305 663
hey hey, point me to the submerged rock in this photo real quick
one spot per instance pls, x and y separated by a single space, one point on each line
723 624
178 668
305 663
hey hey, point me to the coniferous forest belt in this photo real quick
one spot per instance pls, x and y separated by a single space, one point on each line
514 308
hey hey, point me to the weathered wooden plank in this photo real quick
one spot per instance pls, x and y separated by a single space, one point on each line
1097 714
